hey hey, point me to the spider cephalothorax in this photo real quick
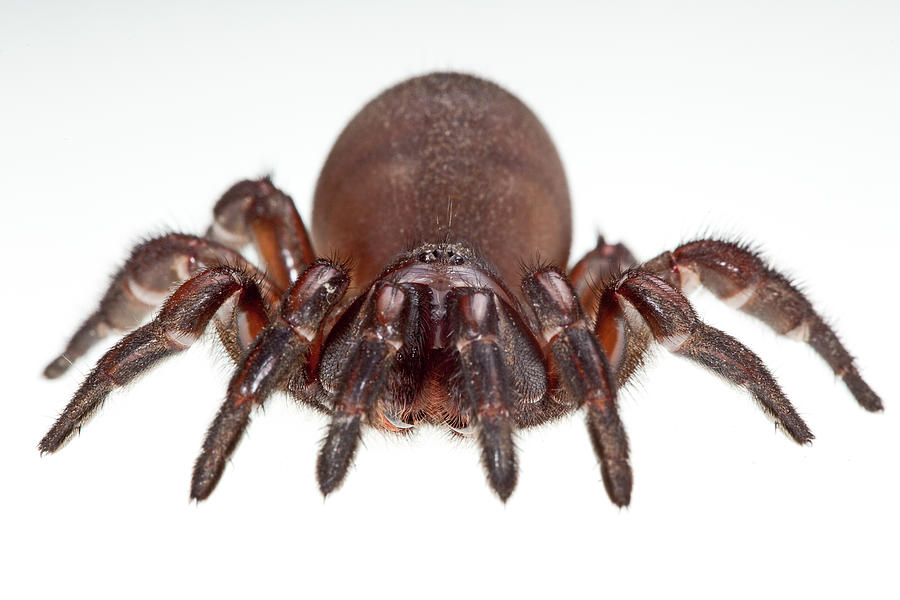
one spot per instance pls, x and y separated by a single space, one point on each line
439 191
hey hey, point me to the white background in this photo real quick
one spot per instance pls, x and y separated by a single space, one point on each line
776 121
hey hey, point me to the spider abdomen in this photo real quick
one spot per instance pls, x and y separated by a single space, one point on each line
443 158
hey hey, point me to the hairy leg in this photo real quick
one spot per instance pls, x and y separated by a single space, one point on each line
180 322
740 278
288 347
485 387
376 348
596 269
673 323
584 373
142 285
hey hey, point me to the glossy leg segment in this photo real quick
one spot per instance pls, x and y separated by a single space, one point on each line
486 383
584 373
742 280
597 268
365 358
179 324
674 324
143 284
258 212
288 347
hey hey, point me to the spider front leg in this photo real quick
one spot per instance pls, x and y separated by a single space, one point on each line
371 365
742 280
180 322
584 373
674 324
288 348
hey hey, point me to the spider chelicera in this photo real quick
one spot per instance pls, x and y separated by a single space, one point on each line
438 191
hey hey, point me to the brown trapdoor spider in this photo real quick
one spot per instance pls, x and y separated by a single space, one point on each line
437 193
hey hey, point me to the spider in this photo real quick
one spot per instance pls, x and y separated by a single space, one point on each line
440 189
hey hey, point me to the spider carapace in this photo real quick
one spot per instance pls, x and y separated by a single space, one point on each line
438 193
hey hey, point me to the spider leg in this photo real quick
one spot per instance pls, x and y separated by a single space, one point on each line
589 276
180 322
674 324
289 346
142 285
742 280
374 350
258 212
584 373
596 268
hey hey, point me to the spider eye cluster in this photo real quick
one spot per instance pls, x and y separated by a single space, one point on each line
442 253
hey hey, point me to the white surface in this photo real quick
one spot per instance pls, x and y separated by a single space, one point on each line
776 121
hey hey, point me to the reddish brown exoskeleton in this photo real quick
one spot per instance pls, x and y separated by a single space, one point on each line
438 191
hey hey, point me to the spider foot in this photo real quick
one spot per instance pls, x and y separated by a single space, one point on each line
498 453
611 446
337 452
86 402
865 396
224 435
57 367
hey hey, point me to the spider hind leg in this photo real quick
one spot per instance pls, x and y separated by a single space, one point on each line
180 322
740 278
141 286
674 324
